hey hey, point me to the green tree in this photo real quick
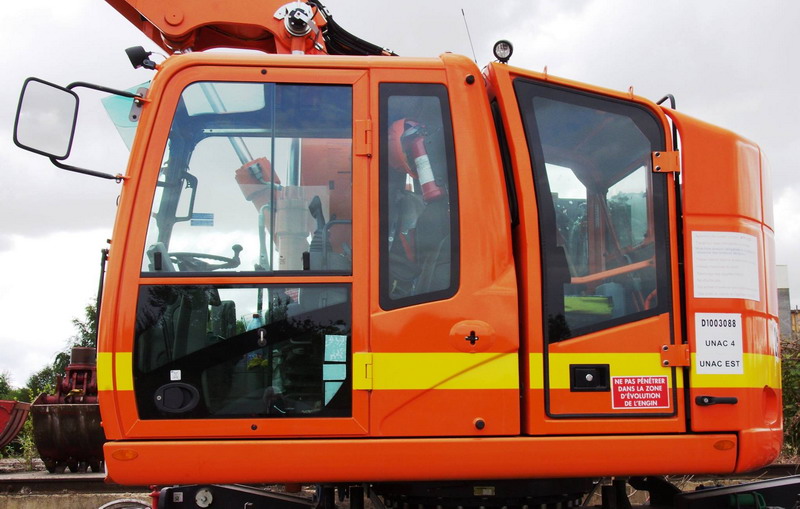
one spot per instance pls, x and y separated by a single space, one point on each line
87 328
86 336
790 373
5 385
9 392
42 381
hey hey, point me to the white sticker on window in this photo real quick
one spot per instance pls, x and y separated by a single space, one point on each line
175 375
335 348
725 265
719 344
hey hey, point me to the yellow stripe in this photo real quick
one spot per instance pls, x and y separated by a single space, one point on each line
422 371
619 364
759 370
109 372
124 371
105 381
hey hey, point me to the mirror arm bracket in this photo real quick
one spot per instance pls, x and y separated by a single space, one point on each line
123 93
118 177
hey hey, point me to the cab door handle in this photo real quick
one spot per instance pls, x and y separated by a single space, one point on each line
714 400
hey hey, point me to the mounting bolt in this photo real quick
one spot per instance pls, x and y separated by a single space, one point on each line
665 363
479 424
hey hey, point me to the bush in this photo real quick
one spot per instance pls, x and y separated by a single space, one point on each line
791 394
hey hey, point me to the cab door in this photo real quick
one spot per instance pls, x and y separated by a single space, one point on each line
242 316
444 337
601 281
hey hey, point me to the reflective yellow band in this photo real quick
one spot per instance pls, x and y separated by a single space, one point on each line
759 370
105 382
422 371
120 371
124 371
619 364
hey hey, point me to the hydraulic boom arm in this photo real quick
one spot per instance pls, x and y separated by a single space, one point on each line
272 26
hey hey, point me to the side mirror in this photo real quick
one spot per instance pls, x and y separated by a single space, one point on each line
46 116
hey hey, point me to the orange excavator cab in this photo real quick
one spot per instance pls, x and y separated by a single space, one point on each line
448 286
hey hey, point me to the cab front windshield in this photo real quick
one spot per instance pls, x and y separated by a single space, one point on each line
255 177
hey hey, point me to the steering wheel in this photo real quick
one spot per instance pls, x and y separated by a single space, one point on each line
196 262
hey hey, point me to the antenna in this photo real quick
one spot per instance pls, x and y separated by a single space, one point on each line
469 37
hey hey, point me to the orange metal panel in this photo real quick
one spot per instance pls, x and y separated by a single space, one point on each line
444 412
722 185
549 426
758 409
348 460
758 447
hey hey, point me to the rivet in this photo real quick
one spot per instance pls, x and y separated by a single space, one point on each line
253 427
470 79
665 363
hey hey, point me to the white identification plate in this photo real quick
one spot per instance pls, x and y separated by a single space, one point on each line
719 344
725 265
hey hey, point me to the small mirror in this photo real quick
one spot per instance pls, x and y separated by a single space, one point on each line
46 117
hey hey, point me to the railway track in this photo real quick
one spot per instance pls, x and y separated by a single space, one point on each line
39 483
769 472
26 483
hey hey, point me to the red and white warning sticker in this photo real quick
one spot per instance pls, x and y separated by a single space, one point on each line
639 392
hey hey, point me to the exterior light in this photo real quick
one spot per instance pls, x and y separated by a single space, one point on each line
502 51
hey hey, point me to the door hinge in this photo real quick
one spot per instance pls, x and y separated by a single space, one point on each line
362 371
362 138
674 355
666 161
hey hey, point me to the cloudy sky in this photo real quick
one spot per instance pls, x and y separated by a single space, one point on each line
730 62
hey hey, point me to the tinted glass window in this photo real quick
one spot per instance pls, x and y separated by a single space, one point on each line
238 351
419 219
601 209
255 177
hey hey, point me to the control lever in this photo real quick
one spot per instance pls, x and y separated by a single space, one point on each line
319 243
234 261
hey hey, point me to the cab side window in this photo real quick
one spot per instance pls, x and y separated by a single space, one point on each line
602 213
418 208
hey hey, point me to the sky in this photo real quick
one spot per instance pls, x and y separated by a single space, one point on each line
729 62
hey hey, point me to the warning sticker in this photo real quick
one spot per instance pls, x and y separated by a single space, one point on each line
719 344
639 392
725 265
